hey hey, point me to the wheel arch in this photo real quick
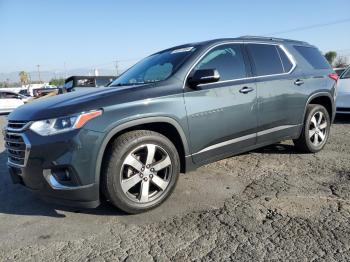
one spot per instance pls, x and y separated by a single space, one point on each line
325 99
158 124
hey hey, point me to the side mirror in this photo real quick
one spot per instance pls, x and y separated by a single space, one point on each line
204 76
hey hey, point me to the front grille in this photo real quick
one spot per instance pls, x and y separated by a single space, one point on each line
16 126
17 148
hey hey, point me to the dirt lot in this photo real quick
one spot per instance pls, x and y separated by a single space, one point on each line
270 204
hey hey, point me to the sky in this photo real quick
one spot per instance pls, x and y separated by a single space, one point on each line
59 34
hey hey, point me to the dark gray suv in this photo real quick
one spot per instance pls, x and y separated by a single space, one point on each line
172 112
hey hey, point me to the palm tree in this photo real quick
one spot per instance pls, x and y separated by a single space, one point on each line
23 77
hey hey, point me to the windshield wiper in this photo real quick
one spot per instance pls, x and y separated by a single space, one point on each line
123 84
136 83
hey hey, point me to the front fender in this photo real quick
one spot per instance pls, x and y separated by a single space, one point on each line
120 127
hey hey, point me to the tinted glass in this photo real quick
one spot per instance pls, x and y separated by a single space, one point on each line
313 57
227 59
155 68
69 84
10 95
346 74
339 71
266 59
103 81
287 64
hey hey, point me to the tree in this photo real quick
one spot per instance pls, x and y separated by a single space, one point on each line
331 56
23 77
341 61
57 82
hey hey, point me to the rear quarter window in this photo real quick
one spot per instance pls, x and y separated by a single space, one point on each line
266 59
313 56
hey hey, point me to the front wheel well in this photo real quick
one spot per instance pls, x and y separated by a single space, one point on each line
324 101
166 129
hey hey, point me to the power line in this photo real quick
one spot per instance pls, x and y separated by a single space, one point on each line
310 27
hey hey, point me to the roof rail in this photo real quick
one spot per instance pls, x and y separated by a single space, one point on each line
273 39
263 37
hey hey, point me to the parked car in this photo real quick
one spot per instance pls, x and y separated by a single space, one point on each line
343 93
78 83
172 112
10 101
24 92
43 91
339 70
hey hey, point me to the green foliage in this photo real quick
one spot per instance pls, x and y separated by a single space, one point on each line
23 77
57 82
331 56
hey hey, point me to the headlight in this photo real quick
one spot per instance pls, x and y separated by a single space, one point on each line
63 124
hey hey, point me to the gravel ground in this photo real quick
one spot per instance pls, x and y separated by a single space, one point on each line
270 204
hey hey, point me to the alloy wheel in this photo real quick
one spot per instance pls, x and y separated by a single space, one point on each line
146 173
318 128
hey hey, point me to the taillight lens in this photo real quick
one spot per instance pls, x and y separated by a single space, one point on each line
334 76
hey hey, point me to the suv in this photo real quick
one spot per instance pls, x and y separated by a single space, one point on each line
172 112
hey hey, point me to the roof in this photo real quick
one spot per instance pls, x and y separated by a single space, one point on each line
241 38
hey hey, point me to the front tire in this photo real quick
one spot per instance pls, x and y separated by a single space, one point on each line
141 170
316 130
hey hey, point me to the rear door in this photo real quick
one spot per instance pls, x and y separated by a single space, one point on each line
278 91
222 118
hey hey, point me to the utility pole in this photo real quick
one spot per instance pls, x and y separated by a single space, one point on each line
65 70
39 73
116 68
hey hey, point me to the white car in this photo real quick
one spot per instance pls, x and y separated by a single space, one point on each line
10 101
343 96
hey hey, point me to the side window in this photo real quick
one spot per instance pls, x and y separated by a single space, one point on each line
266 59
227 59
313 57
10 95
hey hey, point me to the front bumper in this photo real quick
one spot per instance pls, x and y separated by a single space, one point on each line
59 168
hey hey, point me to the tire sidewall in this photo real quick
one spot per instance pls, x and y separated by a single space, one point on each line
117 195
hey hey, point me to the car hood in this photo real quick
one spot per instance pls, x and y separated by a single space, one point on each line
76 102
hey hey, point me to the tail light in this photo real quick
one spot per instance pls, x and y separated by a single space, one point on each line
334 76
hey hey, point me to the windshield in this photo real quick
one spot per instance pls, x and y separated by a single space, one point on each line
346 74
154 68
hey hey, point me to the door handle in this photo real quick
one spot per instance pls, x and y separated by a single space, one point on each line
246 90
298 82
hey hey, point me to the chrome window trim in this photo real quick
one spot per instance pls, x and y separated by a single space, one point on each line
246 137
288 54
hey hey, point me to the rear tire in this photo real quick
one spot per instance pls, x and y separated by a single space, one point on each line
316 130
140 171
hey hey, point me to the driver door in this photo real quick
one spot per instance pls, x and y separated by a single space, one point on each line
222 115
